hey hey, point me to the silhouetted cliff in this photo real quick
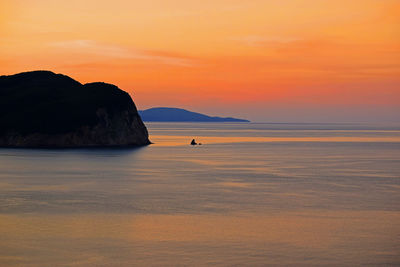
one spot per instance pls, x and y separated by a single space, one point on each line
44 109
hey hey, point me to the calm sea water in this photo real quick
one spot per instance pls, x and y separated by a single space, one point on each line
250 195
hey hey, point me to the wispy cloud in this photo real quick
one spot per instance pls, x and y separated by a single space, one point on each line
116 51
257 40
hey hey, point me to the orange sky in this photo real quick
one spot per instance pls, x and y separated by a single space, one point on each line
265 60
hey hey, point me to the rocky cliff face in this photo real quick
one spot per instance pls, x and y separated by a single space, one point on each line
43 109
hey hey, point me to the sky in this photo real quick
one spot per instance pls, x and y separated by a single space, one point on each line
263 60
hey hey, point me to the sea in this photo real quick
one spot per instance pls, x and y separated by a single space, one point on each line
252 194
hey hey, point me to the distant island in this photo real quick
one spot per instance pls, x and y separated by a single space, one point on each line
44 109
164 114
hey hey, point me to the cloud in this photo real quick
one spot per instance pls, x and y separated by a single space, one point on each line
115 51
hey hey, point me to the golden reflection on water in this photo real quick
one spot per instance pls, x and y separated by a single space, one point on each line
235 184
178 140
333 230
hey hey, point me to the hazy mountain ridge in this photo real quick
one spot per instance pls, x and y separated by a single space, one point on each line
165 114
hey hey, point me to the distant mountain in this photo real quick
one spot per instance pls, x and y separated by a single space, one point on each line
180 115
